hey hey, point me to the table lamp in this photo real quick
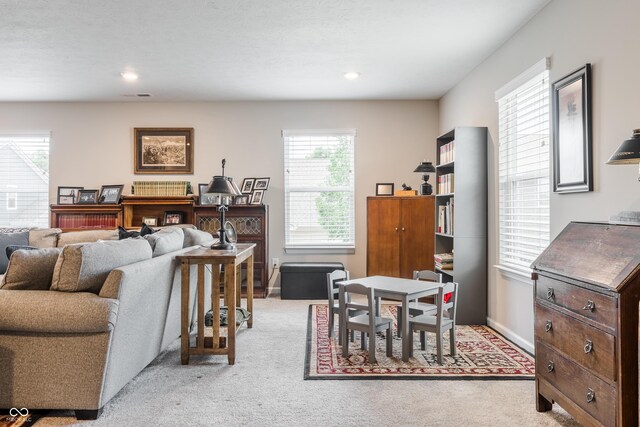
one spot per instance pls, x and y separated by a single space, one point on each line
628 153
223 187
425 168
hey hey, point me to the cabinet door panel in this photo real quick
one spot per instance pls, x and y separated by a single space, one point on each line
383 230
417 225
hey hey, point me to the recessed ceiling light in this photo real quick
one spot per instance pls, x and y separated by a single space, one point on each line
129 76
351 75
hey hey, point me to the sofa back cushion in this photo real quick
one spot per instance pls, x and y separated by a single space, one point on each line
87 236
83 267
11 239
166 240
197 237
30 269
44 237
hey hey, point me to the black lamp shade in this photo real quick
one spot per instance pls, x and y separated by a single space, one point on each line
425 167
628 152
222 186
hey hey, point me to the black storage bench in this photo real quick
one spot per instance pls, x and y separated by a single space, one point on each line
306 280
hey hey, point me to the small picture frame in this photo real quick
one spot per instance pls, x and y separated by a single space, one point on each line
87 197
384 189
256 197
241 200
68 195
247 185
110 194
206 199
261 184
150 221
173 217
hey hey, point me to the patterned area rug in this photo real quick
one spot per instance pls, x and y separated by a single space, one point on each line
482 354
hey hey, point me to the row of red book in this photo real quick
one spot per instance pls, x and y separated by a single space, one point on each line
87 221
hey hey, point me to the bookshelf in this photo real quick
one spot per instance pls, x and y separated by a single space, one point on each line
86 217
461 217
137 207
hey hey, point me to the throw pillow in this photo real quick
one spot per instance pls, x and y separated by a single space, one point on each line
123 233
12 248
86 236
9 239
44 237
166 240
84 267
197 238
30 269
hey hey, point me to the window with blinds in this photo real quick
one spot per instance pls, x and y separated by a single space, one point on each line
24 180
319 189
524 168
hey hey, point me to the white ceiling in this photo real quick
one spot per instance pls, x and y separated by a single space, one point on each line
74 50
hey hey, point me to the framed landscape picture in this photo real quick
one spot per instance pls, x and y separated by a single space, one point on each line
163 150
261 183
68 195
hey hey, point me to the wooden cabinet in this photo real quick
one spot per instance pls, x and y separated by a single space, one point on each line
461 217
399 231
587 290
138 207
85 217
252 225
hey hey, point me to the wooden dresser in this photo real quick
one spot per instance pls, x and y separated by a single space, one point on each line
587 288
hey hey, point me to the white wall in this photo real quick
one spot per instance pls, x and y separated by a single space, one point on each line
572 33
92 145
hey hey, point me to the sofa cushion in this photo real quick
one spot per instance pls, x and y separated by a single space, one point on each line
83 267
87 236
44 237
166 240
9 239
197 237
30 269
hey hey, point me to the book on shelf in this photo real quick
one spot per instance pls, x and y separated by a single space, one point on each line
447 153
445 217
444 258
447 266
160 188
87 221
445 183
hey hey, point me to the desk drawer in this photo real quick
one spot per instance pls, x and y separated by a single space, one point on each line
588 346
598 307
589 392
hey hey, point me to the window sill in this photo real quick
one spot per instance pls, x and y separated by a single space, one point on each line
514 274
319 250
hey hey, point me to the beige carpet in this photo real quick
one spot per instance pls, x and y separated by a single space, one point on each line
266 388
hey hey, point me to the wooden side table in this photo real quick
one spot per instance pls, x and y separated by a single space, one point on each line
232 260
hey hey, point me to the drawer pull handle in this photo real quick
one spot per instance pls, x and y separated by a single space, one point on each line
591 396
396 228
588 346
589 306
550 366
402 228
550 293
548 326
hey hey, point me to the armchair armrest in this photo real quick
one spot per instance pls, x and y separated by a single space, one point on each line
56 312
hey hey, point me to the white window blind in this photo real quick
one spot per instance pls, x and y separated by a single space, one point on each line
319 189
523 118
24 180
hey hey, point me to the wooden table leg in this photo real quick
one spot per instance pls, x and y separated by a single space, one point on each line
250 290
200 290
230 279
215 303
184 336
239 285
405 329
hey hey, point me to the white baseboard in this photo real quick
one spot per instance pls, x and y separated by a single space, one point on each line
508 333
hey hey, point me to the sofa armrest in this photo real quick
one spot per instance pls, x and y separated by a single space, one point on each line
56 312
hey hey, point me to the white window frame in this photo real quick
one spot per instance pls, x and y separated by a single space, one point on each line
315 247
522 243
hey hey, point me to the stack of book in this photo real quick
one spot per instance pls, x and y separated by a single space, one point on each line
160 188
444 261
